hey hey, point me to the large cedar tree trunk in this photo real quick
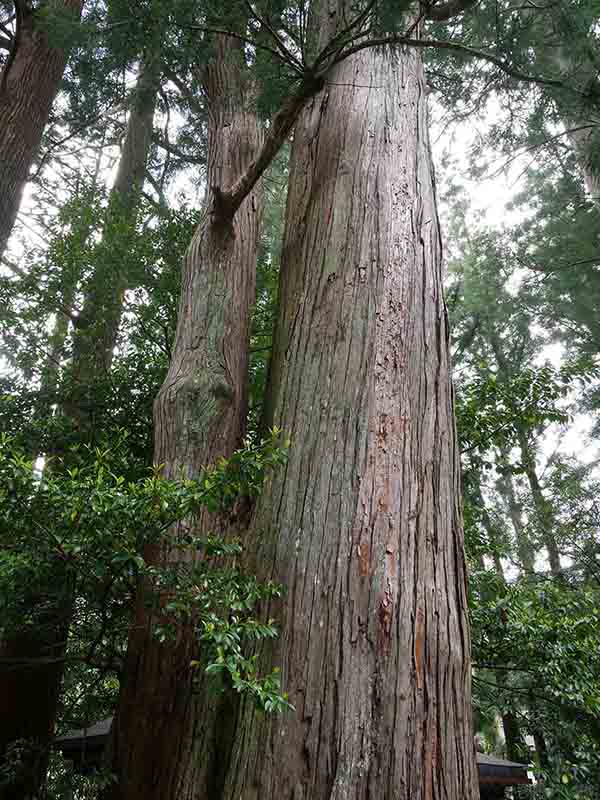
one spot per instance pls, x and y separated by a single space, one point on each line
162 743
363 526
28 85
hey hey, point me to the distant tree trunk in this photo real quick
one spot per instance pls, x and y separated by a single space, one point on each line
541 748
579 117
584 138
543 509
30 693
28 85
578 113
200 414
491 529
98 326
363 526
31 669
50 373
516 748
525 550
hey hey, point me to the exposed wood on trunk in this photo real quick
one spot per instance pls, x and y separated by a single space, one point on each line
363 527
164 743
28 85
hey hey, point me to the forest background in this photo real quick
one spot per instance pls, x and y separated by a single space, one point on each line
124 100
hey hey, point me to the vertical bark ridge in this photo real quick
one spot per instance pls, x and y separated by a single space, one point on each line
363 526
28 85
199 415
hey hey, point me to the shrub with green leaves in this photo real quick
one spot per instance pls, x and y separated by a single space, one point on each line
91 526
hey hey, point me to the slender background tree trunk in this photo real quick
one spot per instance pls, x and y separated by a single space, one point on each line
363 527
541 506
525 549
98 327
28 85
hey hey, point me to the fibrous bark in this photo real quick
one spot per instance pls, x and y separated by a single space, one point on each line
363 527
28 85
200 415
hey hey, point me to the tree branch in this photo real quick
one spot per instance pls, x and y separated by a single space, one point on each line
246 40
285 53
194 102
174 150
21 11
338 41
14 268
4 26
226 203
71 312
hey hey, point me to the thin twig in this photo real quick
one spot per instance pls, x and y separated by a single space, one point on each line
287 56
245 39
